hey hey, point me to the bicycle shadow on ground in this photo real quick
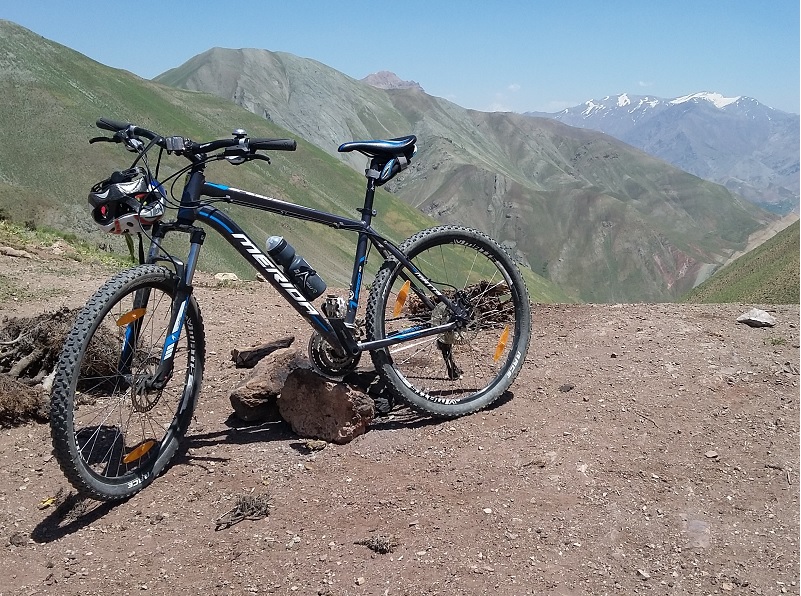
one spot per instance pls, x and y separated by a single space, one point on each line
403 417
73 513
238 432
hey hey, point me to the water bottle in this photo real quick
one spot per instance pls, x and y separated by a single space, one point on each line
297 269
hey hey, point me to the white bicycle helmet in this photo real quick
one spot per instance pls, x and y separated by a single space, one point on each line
127 202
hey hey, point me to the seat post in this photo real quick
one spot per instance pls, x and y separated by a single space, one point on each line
371 174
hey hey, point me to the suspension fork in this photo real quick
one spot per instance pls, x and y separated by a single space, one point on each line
180 303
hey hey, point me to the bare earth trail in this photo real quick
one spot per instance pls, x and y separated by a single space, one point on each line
647 449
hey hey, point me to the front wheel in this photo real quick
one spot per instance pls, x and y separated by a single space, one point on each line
464 370
115 426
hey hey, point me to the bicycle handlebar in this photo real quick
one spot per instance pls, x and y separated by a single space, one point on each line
192 147
273 144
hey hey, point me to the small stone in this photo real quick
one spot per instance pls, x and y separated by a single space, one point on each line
224 277
566 387
487 510
359 581
757 318
13 252
18 539
643 574
711 454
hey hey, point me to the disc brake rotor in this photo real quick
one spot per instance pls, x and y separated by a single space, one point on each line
440 316
142 398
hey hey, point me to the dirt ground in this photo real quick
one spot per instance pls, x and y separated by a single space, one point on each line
646 448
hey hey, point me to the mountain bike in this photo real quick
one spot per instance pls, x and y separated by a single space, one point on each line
447 321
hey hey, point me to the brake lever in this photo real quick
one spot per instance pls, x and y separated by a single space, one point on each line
102 140
259 156
237 155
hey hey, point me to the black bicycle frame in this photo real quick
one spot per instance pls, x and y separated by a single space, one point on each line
337 331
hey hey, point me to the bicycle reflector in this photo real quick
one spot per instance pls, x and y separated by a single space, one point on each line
126 202
501 344
401 299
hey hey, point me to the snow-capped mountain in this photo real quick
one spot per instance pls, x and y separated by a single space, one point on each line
748 147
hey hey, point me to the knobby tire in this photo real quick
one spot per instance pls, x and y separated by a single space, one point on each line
458 372
110 439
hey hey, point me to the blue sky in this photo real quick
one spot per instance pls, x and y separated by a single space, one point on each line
515 55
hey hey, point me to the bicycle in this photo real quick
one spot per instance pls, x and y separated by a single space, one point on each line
447 321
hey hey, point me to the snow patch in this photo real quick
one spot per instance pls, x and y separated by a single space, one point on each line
591 107
715 99
623 100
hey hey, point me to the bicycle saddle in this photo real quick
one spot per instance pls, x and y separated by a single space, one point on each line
382 149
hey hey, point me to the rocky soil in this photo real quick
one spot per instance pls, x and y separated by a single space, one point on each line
645 449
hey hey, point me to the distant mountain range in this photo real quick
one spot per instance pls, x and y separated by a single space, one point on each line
599 219
749 148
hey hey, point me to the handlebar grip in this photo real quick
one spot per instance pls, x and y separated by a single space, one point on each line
273 144
112 125
115 125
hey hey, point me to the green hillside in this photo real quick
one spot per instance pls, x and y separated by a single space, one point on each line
599 218
769 274
51 98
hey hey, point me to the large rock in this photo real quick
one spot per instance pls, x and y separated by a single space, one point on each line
250 357
255 399
317 408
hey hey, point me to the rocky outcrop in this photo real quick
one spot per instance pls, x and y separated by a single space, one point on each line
255 399
318 408
389 80
284 385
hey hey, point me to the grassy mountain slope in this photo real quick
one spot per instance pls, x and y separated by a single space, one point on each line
51 99
769 274
267 83
599 218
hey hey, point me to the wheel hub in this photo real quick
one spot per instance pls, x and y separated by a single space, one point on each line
143 396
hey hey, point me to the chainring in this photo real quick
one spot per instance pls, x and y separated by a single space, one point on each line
327 360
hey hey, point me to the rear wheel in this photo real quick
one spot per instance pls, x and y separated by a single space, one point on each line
463 370
114 429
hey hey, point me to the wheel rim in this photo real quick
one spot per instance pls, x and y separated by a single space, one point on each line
466 363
